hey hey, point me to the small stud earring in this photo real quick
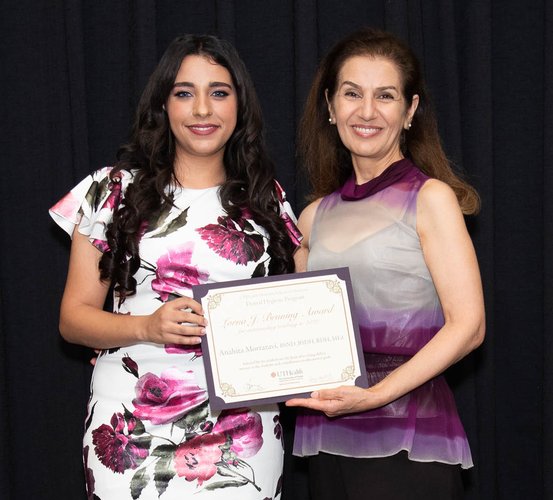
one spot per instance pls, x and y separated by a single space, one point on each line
408 125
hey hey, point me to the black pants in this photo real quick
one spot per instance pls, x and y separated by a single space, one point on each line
333 477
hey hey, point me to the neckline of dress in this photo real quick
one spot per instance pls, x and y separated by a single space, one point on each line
351 191
184 189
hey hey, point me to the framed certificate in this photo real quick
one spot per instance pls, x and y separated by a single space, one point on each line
270 339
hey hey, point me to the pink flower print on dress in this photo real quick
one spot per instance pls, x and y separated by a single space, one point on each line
89 475
116 448
130 365
175 274
246 214
245 429
114 199
196 458
235 436
101 245
168 397
293 231
110 205
68 208
278 429
229 240
196 351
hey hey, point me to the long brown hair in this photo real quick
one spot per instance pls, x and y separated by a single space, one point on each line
150 155
328 161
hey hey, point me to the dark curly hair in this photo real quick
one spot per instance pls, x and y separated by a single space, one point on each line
150 154
328 161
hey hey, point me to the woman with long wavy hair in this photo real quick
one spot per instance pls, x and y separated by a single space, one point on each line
190 200
388 205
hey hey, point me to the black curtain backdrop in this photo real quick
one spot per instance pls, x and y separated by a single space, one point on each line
72 72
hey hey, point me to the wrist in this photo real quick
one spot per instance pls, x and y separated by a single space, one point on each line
380 394
141 328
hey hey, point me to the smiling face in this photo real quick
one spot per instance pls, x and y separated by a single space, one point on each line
202 110
370 112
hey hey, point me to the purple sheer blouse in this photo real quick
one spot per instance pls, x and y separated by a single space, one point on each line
372 230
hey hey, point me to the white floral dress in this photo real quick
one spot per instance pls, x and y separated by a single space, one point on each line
150 432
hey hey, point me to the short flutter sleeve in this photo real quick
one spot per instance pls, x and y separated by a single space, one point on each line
287 215
90 205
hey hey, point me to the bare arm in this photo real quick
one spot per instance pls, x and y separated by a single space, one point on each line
305 222
82 320
451 259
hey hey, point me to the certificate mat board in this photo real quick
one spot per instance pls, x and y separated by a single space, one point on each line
270 339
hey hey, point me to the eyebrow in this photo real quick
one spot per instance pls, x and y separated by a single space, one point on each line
211 84
386 87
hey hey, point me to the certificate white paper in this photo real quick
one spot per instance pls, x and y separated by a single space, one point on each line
270 339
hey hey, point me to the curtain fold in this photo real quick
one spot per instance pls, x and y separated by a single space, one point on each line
547 194
518 146
72 74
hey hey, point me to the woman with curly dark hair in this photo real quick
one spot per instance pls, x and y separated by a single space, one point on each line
388 205
191 200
